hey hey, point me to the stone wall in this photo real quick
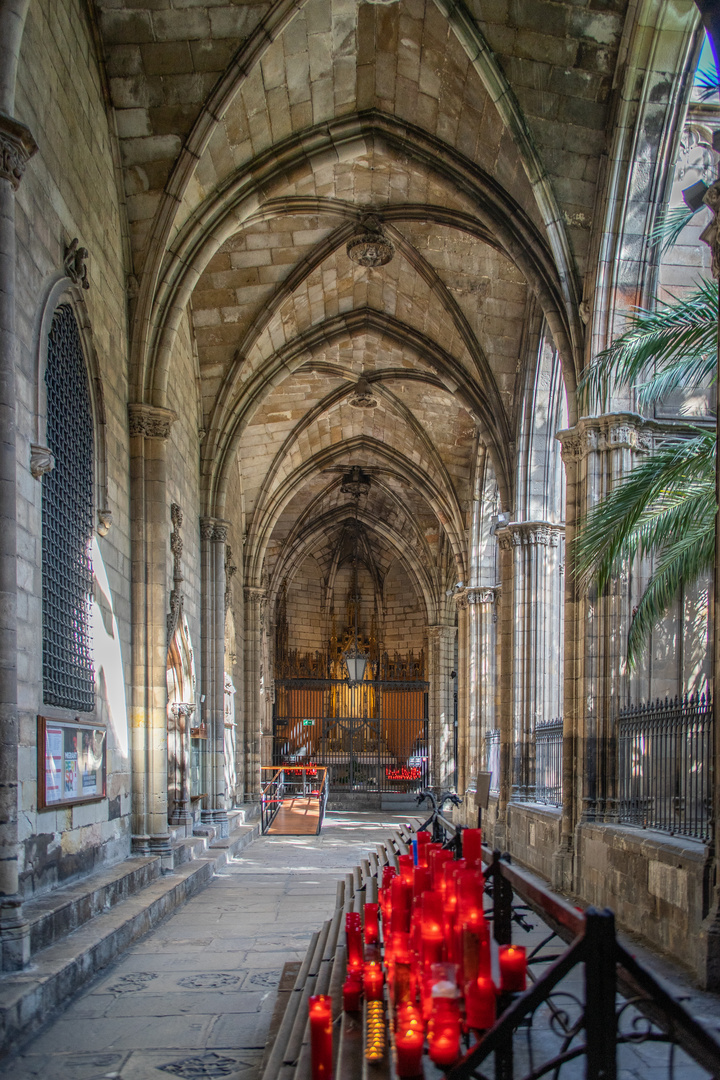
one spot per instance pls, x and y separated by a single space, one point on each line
405 618
306 618
69 190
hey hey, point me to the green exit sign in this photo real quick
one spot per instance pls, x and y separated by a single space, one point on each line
308 723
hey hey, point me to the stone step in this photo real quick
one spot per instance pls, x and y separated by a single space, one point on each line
29 998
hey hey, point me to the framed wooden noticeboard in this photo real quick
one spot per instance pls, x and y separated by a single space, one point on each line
72 763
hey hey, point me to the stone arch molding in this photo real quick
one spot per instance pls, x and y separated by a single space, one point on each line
229 209
246 60
62 289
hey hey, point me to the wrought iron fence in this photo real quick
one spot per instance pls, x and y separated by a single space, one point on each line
492 759
549 762
664 765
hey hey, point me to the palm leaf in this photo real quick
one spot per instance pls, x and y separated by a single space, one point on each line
670 225
679 339
708 83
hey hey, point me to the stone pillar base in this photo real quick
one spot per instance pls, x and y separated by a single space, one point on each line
161 845
563 867
221 823
140 845
14 935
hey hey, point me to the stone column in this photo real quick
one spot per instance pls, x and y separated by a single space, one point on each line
598 452
179 721
213 536
481 675
16 147
441 648
537 639
256 738
149 431
463 692
503 686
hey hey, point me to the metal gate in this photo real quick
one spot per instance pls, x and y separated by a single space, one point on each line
372 737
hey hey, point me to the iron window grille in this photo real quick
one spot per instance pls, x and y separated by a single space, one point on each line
67 523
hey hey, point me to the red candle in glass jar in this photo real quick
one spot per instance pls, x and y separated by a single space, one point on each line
437 859
405 862
444 1032
321 1042
432 932
422 880
352 992
480 1004
401 899
373 982
372 928
423 839
409 1041
353 939
472 847
513 968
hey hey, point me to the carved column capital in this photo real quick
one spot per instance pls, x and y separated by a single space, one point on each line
711 233
486 595
150 421
214 529
530 534
254 594
17 146
613 431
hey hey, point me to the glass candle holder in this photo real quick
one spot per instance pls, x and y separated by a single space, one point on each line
321 1042
513 968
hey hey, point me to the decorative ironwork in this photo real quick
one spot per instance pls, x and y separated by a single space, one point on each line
548 762
136 980
208 1064
67 523
664 762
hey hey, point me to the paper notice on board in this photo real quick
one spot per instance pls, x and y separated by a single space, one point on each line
53 764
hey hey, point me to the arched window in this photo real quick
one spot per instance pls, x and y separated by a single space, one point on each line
67 522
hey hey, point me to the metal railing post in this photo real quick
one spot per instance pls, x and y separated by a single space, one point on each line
600 994
502 902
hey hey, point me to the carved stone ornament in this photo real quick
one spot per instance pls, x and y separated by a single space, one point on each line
371 246
530 534
355 483
104 522
150 421
75 263
711 233
480 596
177 600
361 397
230 572
42 460
613 431
17 146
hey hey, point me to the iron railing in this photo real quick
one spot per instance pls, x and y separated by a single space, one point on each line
492 759
549 762
665 764
291 782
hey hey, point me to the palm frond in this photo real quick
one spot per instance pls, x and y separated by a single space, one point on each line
708 83
660 497
680 335
683 561
670 225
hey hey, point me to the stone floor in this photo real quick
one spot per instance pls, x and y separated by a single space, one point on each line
195 997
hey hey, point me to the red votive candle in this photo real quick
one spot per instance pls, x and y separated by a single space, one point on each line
472 847
405 862
372 929
444 1032
401 899
353 939
437 858
480 1003
513 968
432 927
409 1041
321 1042
373 982
352 992
423 839
422 880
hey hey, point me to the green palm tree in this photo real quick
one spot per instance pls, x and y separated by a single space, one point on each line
666 506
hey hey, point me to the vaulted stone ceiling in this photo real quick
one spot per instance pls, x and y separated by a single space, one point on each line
253 139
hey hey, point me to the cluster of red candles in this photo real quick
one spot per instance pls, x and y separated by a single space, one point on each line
437 959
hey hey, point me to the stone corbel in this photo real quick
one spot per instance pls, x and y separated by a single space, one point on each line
104 522
75 263
17 146
150 421
42 460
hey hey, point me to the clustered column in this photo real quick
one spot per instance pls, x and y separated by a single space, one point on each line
213 537
16 147
597 453
149 431
258 743
480 677
441 641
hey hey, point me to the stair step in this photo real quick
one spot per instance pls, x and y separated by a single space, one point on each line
28 998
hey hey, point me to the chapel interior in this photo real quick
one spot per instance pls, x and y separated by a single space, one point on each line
295 301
